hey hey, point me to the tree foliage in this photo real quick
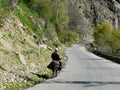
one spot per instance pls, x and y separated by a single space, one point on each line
54 12
102 33
107 38
115 41
3 8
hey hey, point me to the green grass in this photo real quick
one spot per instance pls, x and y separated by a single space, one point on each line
4 51
28 10
27 16
18 85
3 9
24 20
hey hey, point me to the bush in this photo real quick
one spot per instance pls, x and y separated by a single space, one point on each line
102 33
106 38
55 13
56 18
3 9
115 41
30 19
68 36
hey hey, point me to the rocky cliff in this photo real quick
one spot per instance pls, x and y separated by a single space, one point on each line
92 12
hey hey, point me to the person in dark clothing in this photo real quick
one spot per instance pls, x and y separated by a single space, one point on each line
55 57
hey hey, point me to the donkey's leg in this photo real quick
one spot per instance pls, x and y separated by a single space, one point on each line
56 70
56 73
53 73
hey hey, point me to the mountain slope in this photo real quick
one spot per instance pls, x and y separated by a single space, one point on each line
25 23
20 32
89 13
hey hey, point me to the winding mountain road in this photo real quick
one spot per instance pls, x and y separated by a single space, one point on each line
84 71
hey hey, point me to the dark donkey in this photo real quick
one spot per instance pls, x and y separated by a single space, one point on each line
54 66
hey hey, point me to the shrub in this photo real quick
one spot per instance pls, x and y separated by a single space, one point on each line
115 41
68 36
106 38
30 19
3 9
102 34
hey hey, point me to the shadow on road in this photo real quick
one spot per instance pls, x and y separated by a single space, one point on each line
85 83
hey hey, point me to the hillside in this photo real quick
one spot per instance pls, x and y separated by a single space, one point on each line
86 14
19 52
97 18
31 29
25 47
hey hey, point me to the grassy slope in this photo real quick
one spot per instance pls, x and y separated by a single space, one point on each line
16 36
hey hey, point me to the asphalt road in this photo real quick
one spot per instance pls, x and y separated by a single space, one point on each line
84 71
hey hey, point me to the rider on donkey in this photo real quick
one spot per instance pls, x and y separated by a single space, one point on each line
55 57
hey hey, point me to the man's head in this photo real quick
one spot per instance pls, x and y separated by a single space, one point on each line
56 49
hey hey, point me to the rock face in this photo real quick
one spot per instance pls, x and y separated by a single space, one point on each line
78 21
12 4
94 12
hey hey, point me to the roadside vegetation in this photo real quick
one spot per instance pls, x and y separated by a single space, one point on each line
3 9
107 38
55 15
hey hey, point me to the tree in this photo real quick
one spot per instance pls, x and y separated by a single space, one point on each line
103 34
3 8
115 41
107 38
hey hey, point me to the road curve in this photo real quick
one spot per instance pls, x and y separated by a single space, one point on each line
84 71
